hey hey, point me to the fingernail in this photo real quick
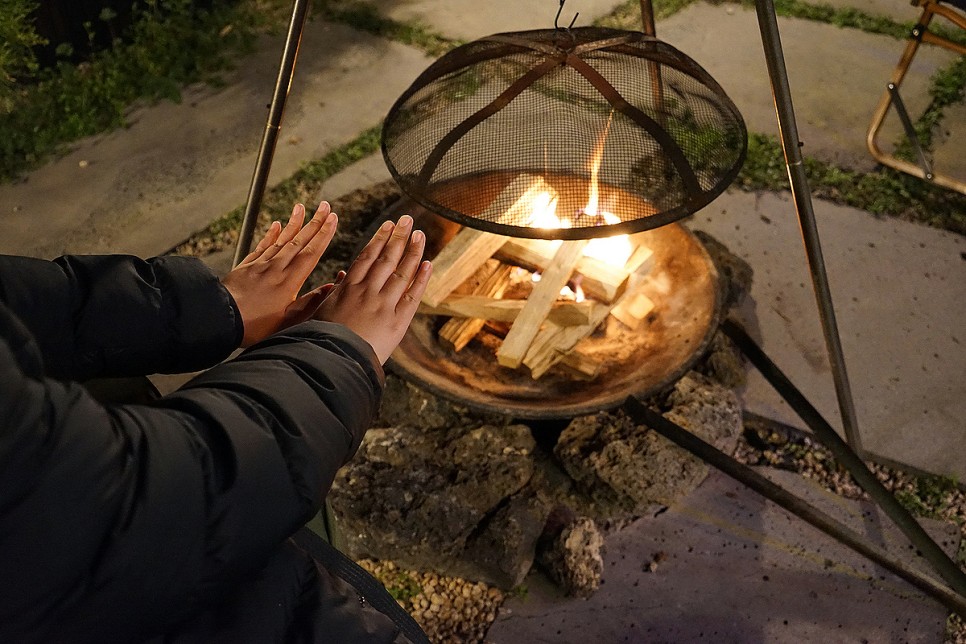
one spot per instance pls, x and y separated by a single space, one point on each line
329 219
405 220
417 236
386 226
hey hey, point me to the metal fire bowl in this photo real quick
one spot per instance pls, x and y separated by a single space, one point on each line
683 285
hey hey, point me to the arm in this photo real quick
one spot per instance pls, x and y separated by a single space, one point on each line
118 315
121 521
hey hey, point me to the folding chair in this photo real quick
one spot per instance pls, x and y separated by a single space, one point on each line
955 12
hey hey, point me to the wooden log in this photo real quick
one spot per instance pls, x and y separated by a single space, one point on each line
598 279
464 254
580 366
641 260
545 293
564 313
632 310
554 342
456 333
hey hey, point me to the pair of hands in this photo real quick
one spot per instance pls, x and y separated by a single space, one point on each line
376 297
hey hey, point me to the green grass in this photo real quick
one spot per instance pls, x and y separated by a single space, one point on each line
365 17
884 192
170 44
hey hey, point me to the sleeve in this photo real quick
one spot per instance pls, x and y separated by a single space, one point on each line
118 522
117 315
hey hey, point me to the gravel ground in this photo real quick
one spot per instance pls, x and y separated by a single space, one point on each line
451 610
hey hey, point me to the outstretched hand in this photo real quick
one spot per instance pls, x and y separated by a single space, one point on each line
266 283
380 293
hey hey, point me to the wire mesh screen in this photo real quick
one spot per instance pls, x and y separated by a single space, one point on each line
619 131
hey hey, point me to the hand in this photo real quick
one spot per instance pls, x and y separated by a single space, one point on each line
265 284
381 290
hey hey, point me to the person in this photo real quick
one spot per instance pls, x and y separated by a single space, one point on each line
173 521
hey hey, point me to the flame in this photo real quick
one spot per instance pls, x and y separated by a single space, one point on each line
543 212
615 250
593 199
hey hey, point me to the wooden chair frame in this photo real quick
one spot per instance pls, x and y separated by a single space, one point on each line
920 34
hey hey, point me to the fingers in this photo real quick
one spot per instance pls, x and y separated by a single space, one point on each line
409 302
360 267
404 270
287 234
270 236
305 249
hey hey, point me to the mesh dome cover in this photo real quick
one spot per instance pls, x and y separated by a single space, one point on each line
544 103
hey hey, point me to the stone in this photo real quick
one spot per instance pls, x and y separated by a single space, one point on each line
572 557
625 468
723 363
443 499
709 410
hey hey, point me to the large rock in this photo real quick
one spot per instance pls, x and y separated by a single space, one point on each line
626 468
572 556
446 500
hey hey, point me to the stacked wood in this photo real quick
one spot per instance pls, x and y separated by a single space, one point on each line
544 329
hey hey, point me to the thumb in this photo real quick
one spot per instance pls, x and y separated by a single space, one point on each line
305 306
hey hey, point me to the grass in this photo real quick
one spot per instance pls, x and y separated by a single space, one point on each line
628 15
884 192
365 17
170 44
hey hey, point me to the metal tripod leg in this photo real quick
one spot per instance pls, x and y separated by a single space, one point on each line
263 164
771 40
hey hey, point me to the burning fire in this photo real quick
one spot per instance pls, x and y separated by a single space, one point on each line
615 250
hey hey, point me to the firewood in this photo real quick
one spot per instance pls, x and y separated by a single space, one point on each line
461 257
564 313
640 261
456 333
580 366
545 293
633 310
598 279
554 342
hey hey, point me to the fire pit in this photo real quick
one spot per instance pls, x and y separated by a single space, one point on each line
547 169
682 284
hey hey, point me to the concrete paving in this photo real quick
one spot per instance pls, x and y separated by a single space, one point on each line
731 567
900 295
177 167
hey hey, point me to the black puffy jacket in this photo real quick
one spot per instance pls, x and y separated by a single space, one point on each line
126 523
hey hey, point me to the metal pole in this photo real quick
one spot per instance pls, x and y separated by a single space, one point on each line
824 432
771 40
647 17
263 164
641 413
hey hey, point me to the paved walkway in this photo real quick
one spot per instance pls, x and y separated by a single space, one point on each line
900 289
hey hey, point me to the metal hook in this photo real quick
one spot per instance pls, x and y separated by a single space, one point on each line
557 18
